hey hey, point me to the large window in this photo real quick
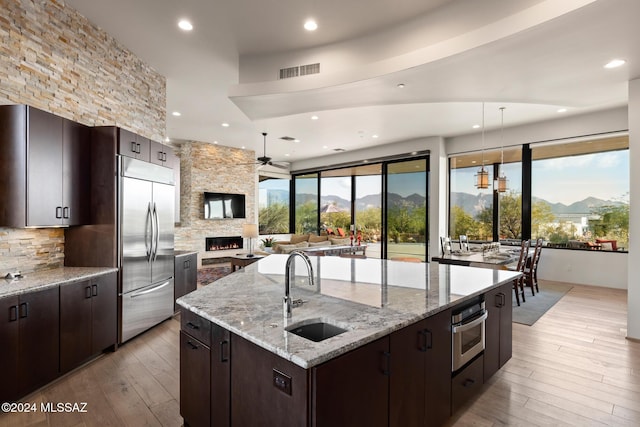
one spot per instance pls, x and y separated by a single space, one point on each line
273 205
306 199
580 194
576 194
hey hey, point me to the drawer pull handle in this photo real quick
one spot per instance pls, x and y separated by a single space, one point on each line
192 345
224 356
13 313
468 382
192 326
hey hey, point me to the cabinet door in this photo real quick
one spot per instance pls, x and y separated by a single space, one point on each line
266 390
506 317
128 144
220 376
161 154
76 174
104 312
39 339
438 362
75 324
195 374
9 348
353 389
179 279
191 276
494 300
144 148
44 179
407 382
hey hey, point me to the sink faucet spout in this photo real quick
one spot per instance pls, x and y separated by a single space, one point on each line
287 305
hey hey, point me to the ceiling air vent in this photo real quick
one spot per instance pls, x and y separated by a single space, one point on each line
339 150
301 70
287 138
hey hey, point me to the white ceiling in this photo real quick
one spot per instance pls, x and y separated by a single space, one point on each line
533 63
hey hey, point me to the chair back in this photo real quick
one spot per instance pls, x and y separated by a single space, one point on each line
464 243
445 244
524 253
536 255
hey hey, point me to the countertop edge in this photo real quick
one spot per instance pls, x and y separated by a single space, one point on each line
322 358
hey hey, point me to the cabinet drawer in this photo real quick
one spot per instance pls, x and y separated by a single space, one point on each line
196 326
467 384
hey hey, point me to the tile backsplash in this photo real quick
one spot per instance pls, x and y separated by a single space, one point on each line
30 249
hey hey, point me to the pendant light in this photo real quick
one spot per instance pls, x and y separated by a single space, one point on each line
482 177
502 179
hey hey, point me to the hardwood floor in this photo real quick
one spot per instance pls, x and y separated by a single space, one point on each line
572 367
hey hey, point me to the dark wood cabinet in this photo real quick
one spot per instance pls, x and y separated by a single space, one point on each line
44 168
466 384
38 348
185 275
420 381
353 389
161 154
132 145
88 319
9 332
220 376
266 390
498 329
195 385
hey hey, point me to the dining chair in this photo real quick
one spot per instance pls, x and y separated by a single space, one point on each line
445 244
464 243
531 269
518 284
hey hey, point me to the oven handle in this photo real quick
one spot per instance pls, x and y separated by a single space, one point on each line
473 324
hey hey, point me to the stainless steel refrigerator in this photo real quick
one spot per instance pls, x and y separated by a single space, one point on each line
146 244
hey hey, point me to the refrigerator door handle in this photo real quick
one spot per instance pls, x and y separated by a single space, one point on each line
148 243
157 236
148 291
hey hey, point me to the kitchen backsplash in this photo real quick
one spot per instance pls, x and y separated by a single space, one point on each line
30 250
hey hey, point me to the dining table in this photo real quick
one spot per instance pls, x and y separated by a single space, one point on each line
504 259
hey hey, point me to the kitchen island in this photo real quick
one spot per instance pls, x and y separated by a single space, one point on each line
390 366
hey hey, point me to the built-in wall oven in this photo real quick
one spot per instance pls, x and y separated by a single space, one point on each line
467 330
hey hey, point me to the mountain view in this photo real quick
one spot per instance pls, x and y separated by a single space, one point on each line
472 203
368 201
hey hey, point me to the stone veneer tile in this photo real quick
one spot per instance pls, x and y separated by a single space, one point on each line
53 58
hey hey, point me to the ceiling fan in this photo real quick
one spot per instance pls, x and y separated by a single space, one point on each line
266 160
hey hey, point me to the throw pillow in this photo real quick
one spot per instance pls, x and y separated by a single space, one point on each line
314 239
287 249
318 244
341 242
297 238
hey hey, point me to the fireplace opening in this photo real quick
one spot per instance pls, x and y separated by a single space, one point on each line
223 243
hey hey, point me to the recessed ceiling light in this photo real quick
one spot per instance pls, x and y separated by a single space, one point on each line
473 162
167 139
296 140
185 25
365 161
374 136
242 147
400 85
286 154
225 125
615 63
215 142
476 126
562 110
413 153
325 147
310 25
314 117
176 113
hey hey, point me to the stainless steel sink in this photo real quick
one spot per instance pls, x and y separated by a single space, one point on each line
316 330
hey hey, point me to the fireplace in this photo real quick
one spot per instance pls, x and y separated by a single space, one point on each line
223 243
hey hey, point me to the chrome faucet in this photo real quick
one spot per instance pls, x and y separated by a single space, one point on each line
287 303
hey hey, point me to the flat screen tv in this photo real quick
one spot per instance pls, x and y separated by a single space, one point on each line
223 205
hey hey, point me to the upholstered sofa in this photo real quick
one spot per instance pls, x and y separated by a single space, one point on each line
301 241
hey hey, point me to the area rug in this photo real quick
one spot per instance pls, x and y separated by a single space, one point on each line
530 311
209 274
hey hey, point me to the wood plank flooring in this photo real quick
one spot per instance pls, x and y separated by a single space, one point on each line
573 367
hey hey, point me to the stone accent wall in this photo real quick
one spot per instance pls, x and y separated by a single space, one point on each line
207 167
29 250
53 58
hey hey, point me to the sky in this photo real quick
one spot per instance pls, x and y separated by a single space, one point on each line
563 180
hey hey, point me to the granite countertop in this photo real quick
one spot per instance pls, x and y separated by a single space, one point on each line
44 279
369 297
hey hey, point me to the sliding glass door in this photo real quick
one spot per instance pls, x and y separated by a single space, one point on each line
406 210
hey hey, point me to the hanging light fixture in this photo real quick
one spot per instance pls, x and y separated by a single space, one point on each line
502 178
482 177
